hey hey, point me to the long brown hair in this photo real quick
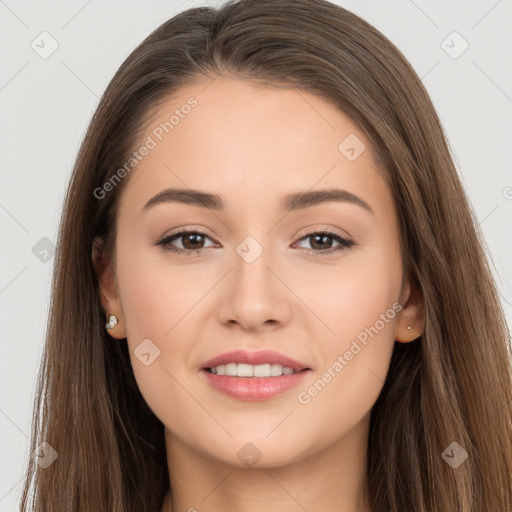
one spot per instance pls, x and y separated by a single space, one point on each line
452 385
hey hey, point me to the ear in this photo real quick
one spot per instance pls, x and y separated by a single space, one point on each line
411 319
108 288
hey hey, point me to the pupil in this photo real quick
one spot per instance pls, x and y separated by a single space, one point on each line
324 246
191 236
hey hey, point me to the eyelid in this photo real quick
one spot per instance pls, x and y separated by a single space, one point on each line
200 230
323 228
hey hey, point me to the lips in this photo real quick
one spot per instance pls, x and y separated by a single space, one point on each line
254 388
255 358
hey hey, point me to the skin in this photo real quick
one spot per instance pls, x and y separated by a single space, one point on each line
252 145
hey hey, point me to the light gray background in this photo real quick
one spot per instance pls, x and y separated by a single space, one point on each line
46 105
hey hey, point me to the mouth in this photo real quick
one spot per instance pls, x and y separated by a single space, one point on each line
258 371
253 376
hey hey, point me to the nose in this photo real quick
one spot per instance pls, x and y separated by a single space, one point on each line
254 295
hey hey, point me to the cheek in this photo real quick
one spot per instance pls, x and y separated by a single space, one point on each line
155 299
154 304
350 297
361 309
155 294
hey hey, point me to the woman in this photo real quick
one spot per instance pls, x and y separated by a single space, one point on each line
269 289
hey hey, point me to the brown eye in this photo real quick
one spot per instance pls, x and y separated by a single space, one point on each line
192 242
321 242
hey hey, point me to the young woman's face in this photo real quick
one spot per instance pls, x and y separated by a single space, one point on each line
260 273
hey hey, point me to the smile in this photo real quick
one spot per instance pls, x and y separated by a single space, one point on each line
249 370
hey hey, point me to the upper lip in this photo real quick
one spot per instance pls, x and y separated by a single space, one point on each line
255 358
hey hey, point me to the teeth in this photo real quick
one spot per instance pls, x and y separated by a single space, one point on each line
249 370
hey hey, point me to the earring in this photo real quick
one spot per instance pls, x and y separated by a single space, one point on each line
409 328
112 321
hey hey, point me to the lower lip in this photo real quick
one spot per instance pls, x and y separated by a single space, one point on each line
254 388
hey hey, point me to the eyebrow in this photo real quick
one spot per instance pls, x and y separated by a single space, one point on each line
291 202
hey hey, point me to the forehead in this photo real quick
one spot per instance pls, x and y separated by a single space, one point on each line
249 144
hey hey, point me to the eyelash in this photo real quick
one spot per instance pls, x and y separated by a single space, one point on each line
165 242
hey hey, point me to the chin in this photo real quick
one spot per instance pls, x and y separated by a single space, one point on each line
249 451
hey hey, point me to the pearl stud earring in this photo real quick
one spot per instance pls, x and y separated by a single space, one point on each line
112 321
